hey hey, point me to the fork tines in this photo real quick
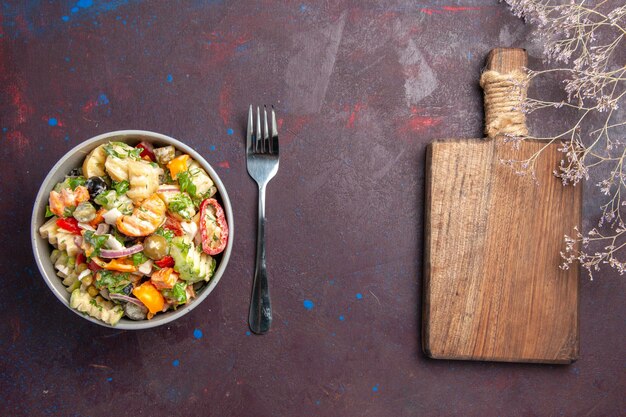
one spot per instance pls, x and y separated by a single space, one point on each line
262 140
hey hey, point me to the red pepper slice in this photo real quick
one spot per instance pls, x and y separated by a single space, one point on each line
80 258
173 225
212 242
93 266
146 151
70 224
165 262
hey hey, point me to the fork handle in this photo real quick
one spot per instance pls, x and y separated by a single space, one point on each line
260 317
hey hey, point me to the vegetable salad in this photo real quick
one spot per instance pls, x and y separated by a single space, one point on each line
134 231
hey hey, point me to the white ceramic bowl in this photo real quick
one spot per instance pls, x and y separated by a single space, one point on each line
73 159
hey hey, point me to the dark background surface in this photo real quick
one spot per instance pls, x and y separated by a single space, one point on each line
361 87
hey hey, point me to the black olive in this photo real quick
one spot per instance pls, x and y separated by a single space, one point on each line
76 172
95 185
127 289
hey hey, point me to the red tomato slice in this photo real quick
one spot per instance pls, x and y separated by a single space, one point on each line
146 151
173 225
213 227
165 262
70 224
93 266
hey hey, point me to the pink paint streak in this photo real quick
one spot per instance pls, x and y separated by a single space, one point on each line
89 105
417 123
23 110
459 8
292 128
18 141
225 100
452 9
224 164
357 108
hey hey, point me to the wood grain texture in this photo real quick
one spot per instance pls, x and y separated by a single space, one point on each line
493 289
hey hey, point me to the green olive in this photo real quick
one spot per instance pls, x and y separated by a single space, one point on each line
155 247
85 212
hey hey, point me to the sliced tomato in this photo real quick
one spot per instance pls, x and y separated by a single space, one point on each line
80 258
70 224
146 151
173 225
93 266
213 227
165 262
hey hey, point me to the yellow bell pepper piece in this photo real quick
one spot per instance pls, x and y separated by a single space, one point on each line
121 265
178 165
150 297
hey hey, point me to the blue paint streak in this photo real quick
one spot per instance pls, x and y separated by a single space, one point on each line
67 59
197 333
359 296
375 388
175 362
248 333
52 121
212 147
65 18
331 282
102 100
308 304
74 9
4 129
84 3
66 138
109 379
230 131
169 78
342 318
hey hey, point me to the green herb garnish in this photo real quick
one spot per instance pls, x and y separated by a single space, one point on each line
103 198
139 258
181 204
74 182
94 303
178 293
113 281
48 212
121 187
166 233
185 183
97 241
122 151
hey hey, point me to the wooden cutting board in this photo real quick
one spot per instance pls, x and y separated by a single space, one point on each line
493 289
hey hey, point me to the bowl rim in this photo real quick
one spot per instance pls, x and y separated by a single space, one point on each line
42 194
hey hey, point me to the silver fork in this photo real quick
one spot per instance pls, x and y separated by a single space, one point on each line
262 161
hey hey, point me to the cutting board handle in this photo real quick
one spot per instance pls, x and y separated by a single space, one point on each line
505 87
